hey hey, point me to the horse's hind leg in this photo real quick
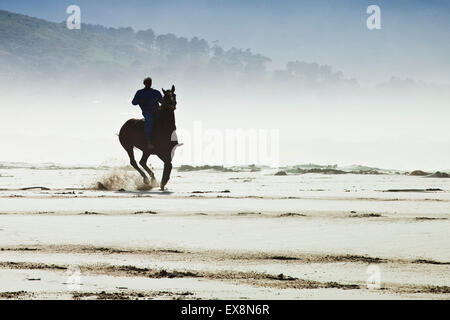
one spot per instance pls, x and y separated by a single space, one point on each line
134 164
143 164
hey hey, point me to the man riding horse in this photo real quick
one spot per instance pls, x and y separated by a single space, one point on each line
150 136
148 99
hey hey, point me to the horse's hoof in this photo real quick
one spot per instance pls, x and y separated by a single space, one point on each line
146 181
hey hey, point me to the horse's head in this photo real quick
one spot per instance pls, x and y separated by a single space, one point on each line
169 99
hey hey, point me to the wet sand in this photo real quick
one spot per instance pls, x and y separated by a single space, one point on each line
214 236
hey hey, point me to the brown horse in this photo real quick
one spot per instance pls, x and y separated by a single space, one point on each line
164 138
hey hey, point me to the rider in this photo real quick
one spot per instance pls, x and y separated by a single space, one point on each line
148 99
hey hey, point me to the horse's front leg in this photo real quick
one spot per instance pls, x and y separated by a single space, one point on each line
166 174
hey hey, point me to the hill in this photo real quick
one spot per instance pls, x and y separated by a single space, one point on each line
35 47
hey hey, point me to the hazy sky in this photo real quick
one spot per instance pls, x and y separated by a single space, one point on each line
404 132
413 40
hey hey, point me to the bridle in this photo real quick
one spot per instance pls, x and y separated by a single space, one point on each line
167 101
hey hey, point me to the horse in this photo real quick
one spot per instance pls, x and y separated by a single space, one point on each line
164 138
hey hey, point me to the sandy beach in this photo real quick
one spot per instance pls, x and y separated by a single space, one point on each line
248 235
225 150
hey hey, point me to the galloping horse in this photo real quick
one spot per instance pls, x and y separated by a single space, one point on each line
163 137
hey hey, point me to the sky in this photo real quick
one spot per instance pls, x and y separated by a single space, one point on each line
412 42
403 133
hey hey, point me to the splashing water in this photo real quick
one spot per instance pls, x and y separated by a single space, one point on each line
121 179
